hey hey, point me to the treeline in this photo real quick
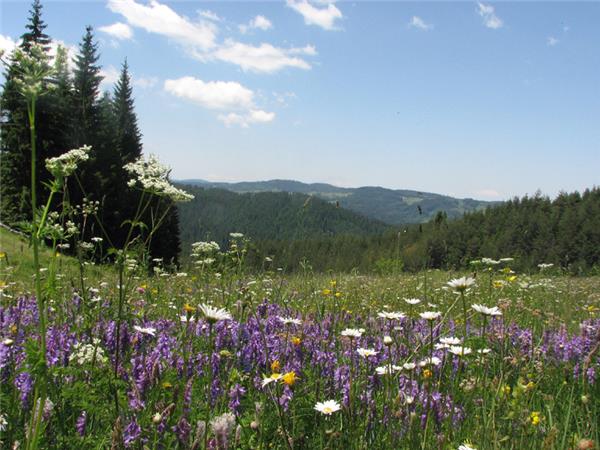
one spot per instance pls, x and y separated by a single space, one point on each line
73 112
532 230
215 213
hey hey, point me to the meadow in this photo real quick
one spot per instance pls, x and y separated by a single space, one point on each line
215 357
114 348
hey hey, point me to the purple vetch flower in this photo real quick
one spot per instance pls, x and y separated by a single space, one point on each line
24 383
81 422
235 395
182 430
131 433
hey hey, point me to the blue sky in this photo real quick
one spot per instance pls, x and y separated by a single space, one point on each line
482 100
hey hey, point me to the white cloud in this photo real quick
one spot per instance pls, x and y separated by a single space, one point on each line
552 41
245 120
490 19
221 95
263 58
7 44
207 14
417 22
200 38
212 94
258 22
323 17
160 19
118 30
145 82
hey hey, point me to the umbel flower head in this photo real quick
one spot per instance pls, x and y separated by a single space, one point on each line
65 164
151 176
33 70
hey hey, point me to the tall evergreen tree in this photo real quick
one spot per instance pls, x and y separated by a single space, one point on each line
129 138
35 27
15 147
86 82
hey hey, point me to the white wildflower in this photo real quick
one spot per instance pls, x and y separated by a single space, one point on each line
494 311
65 164
153 177
328 407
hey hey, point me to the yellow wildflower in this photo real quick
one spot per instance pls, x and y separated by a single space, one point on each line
296 341
189 308
534 417
275 366
427 373
289 378
167 385
326 292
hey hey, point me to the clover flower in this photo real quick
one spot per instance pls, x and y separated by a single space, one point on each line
153 177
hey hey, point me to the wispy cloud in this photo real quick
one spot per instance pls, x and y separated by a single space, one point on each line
245 120
417 22
258 22
118 30
264 58
324 17
145 82
490 19
199 39
160 19
221 96
207 14
551 41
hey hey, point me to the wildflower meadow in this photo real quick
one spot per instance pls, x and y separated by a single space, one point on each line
116 349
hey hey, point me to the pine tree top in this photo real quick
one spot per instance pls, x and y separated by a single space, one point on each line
35 27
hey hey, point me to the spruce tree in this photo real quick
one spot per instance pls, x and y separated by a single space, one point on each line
86 83
35 27
15 149
129 138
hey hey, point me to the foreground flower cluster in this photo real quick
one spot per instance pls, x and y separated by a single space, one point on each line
252 376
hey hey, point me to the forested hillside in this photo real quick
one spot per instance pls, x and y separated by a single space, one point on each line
395 207
564 232
70 112
214 213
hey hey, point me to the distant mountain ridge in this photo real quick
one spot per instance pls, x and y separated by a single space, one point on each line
391 206
214 213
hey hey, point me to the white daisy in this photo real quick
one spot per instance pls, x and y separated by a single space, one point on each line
391 315
461 284
289 320
366 352
212 314
353 332
459 350
328 407
494 311
412 301
430 315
